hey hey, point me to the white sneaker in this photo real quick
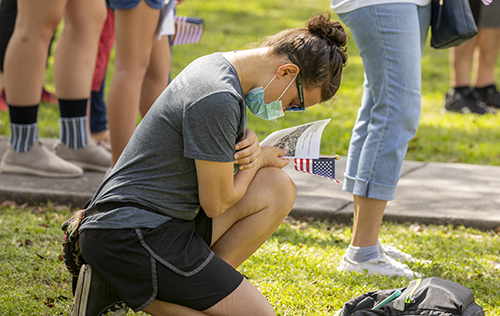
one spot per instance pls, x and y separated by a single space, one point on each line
38 161
397 254
90 157
382 265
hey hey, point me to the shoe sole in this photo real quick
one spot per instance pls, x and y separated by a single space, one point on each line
82 291
5 168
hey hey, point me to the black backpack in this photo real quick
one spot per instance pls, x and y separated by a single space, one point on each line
430 296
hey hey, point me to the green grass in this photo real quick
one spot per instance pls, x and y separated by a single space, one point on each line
234 24
295 269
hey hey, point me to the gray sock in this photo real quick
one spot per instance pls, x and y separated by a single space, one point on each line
362 254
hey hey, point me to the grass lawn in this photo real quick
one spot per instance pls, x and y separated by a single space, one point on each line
234 24
295 269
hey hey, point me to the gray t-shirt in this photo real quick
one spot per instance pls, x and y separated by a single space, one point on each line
200 115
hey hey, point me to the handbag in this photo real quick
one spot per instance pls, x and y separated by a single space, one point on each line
452 23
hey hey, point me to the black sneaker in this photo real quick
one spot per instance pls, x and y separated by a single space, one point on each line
94 297
489 95
464 101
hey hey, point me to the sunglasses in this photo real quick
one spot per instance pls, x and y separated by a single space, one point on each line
298 82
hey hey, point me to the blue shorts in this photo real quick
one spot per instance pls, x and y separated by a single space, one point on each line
130 4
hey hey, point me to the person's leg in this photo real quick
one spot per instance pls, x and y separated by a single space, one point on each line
488 47
245 300
390 110
237 234
242 229
25 60
486 60
157 74
26 53
461 63
74 62
460 98
134 33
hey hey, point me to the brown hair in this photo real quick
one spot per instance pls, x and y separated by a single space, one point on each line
319 49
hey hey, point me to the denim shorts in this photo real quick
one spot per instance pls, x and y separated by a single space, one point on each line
130 4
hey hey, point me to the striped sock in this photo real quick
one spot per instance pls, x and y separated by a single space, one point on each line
73 131
73 123
23 136
23 127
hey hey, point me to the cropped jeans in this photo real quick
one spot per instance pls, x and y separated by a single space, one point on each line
390 39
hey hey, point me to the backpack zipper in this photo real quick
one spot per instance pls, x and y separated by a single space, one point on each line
409 298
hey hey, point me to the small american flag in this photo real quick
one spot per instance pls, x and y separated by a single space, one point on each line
323 167
487 2
188 30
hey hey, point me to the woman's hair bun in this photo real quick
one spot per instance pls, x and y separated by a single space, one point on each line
332 31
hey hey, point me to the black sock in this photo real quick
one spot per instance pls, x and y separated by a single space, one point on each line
461 89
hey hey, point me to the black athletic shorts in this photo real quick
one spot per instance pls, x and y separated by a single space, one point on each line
171 263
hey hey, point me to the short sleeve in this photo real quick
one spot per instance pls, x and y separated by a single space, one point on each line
211 126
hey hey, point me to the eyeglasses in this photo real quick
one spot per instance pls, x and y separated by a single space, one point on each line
298 82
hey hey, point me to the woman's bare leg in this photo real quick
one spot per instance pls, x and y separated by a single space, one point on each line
243 228
26 55
245 300
134 35
156 78
76 50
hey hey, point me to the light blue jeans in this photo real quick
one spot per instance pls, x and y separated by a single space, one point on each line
390 39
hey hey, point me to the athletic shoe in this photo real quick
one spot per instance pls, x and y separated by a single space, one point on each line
490 96
38 161
3 102
94 297
397 254
382 265
465 102
90 157
48 97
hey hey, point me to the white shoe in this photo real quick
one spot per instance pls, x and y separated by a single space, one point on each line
397 254
38 161
382 265
90 157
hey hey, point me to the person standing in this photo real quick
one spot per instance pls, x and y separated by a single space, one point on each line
390 36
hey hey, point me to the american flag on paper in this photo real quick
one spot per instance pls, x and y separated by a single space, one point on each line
188 30
323 167
487 2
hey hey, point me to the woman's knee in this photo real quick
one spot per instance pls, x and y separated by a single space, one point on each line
281 186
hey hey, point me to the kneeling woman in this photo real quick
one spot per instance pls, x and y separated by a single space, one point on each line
193 195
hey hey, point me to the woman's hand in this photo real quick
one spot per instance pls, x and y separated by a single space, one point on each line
272 157
247 151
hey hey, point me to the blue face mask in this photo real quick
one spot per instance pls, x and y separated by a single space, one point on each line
254 100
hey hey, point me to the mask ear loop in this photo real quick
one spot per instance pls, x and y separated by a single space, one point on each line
287 86
270 82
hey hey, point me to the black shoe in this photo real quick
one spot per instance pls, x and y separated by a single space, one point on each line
94 297
489 95
464 101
